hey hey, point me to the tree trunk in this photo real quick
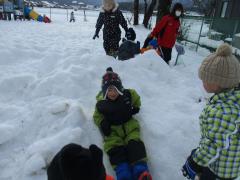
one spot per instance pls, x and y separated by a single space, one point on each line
136 12
163 9
145 6
149 13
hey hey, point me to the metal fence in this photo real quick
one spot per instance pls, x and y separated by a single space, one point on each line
210 32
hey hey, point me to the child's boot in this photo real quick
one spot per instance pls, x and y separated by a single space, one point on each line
141 172
145 176
123 171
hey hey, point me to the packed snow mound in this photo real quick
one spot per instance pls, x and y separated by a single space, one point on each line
48 88
7 132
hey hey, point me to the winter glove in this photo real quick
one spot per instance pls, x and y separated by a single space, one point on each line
147 40
95 35
135 110
105 127
190 169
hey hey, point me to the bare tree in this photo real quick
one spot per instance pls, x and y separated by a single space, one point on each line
145 6
211 8
149 13
136 11
163 8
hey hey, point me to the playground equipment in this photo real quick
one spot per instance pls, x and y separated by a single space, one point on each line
34 15
20 10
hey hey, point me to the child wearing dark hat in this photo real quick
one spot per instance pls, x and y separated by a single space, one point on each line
218 155
74 162
129 48
114 115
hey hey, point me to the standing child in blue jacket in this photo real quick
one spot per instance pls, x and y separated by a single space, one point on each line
218 155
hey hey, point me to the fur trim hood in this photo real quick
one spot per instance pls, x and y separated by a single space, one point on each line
109 5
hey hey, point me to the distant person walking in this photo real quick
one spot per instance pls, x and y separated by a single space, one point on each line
111 17
72 18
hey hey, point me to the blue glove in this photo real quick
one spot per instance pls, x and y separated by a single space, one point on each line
190 169
153 43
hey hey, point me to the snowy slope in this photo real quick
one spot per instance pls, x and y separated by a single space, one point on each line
50 75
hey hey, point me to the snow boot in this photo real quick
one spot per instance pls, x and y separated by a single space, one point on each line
140 171
145 176
123 172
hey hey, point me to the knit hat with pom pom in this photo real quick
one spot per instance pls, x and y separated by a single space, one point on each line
221 68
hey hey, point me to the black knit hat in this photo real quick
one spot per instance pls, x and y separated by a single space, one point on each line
111 78
177 6
130 34
73 162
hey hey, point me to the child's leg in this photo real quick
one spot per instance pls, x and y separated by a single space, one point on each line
115 147
136 151
135 147
167 54
111 43
106 46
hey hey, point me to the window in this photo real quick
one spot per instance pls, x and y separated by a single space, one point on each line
224 9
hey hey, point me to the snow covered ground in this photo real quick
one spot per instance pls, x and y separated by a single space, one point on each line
49 77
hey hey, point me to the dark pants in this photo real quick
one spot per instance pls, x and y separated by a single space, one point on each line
131 153
209 175
166 54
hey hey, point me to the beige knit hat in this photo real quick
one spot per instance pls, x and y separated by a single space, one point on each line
109 4
221 68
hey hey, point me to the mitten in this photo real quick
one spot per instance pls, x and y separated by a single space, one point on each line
105 127
95 35
190 169
135 110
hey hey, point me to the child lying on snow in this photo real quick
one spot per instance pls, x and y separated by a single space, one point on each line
114 115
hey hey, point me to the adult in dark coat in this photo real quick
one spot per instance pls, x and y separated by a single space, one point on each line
111 17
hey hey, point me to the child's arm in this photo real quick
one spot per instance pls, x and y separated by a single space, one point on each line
122 21
136 102
99 22
97 116
102 124
160 25
212 139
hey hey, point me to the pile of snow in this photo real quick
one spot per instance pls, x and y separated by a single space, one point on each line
50 75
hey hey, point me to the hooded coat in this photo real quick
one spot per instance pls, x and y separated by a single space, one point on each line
111 31
219 148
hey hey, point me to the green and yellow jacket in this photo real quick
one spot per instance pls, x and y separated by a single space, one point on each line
134 99
123 127
219 147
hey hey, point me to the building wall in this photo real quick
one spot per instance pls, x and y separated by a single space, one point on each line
232 9
230 24
236 9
